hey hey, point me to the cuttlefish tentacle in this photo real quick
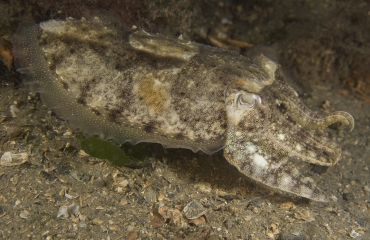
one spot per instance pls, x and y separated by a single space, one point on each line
305 117
287 93
305 151
310 146
295 141
319 123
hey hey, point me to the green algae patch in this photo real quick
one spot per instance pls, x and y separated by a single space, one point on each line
98 148
124 155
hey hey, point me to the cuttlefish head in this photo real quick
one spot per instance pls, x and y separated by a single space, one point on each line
268 127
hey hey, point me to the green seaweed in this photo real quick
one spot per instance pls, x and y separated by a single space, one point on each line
102 149
124 155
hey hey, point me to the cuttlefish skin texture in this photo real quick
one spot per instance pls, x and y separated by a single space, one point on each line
128 85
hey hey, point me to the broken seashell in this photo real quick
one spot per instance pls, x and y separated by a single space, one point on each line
13 159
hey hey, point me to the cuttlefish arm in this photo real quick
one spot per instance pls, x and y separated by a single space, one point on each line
268 125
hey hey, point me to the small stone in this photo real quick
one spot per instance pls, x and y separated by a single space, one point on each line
234 209
14 131
198 222
150 196
114 228
248 218
334 198
71 195
273 230
97 221
123 202
82 153
51 135
132 235
156 222
14 110
82 217
161 196
288 205
204 187
99 183
120 184
80 176
63 212
73 208
24 214
15 179
82 224
348 196
68 133
305 215
354 234
171 215
194 210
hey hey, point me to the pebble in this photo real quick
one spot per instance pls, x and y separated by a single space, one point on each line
194 210
367 188
288 205
63 212
24 214
171 215
71 195
198 222
348 196
273 230
97 221
115 228
304 215
123 202
354 234
73 208
82 224
99 183
119 183
150 196
14 110
204 187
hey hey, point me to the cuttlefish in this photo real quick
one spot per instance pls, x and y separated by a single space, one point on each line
126 84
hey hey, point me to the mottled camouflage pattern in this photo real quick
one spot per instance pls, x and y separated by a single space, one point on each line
129 85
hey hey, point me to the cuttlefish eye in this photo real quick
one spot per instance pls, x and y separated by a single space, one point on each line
247 101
